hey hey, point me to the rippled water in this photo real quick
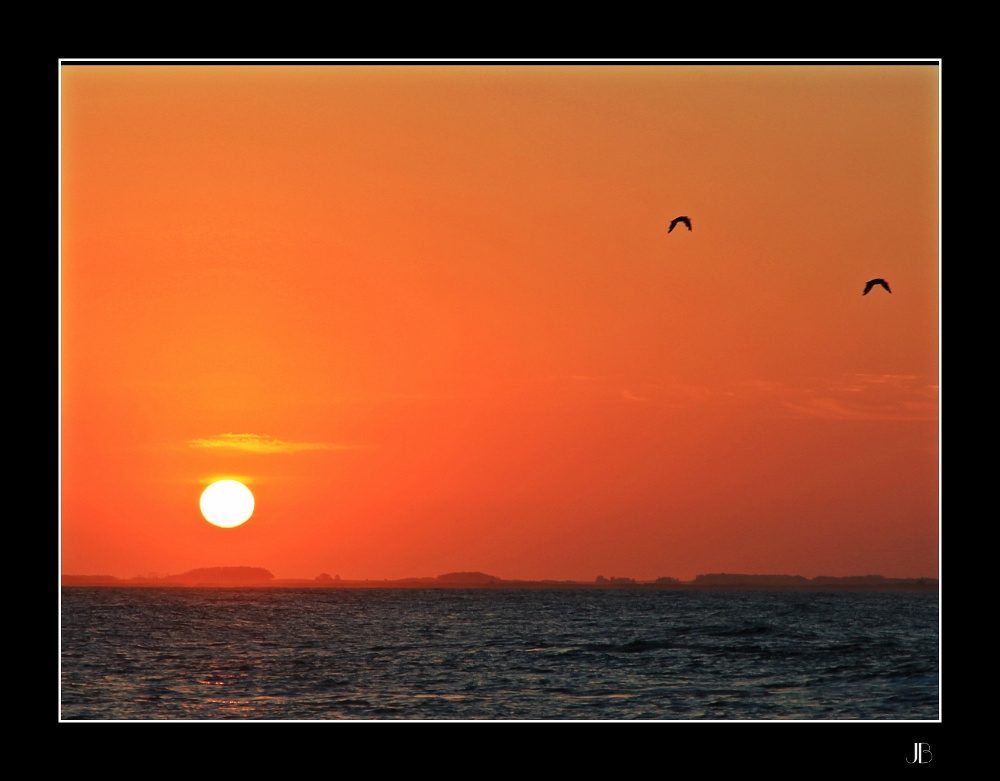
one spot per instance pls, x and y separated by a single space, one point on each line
497 654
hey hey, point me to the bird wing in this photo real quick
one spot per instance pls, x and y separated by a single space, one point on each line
885 285
673 224
686 222
868 286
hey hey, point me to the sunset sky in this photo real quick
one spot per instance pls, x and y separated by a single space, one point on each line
432 317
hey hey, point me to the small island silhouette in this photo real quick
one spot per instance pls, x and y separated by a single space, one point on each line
258 577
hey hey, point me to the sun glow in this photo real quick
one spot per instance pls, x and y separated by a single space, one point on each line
227 503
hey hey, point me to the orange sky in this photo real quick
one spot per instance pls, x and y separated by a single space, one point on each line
431 315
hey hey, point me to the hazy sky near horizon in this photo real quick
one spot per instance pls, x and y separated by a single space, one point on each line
432 317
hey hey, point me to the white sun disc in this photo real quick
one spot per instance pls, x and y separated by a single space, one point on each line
227 503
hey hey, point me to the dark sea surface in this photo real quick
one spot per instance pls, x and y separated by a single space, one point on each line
386 654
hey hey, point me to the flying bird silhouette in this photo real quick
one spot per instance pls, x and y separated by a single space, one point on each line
685 220
872 282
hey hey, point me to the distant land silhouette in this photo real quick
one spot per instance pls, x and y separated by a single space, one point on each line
258 577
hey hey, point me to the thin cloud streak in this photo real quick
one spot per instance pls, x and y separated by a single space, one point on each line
868 397
257 443
852 397
836 409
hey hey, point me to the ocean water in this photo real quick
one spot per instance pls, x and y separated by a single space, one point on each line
390 654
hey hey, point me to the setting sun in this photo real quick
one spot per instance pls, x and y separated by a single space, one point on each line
227 503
